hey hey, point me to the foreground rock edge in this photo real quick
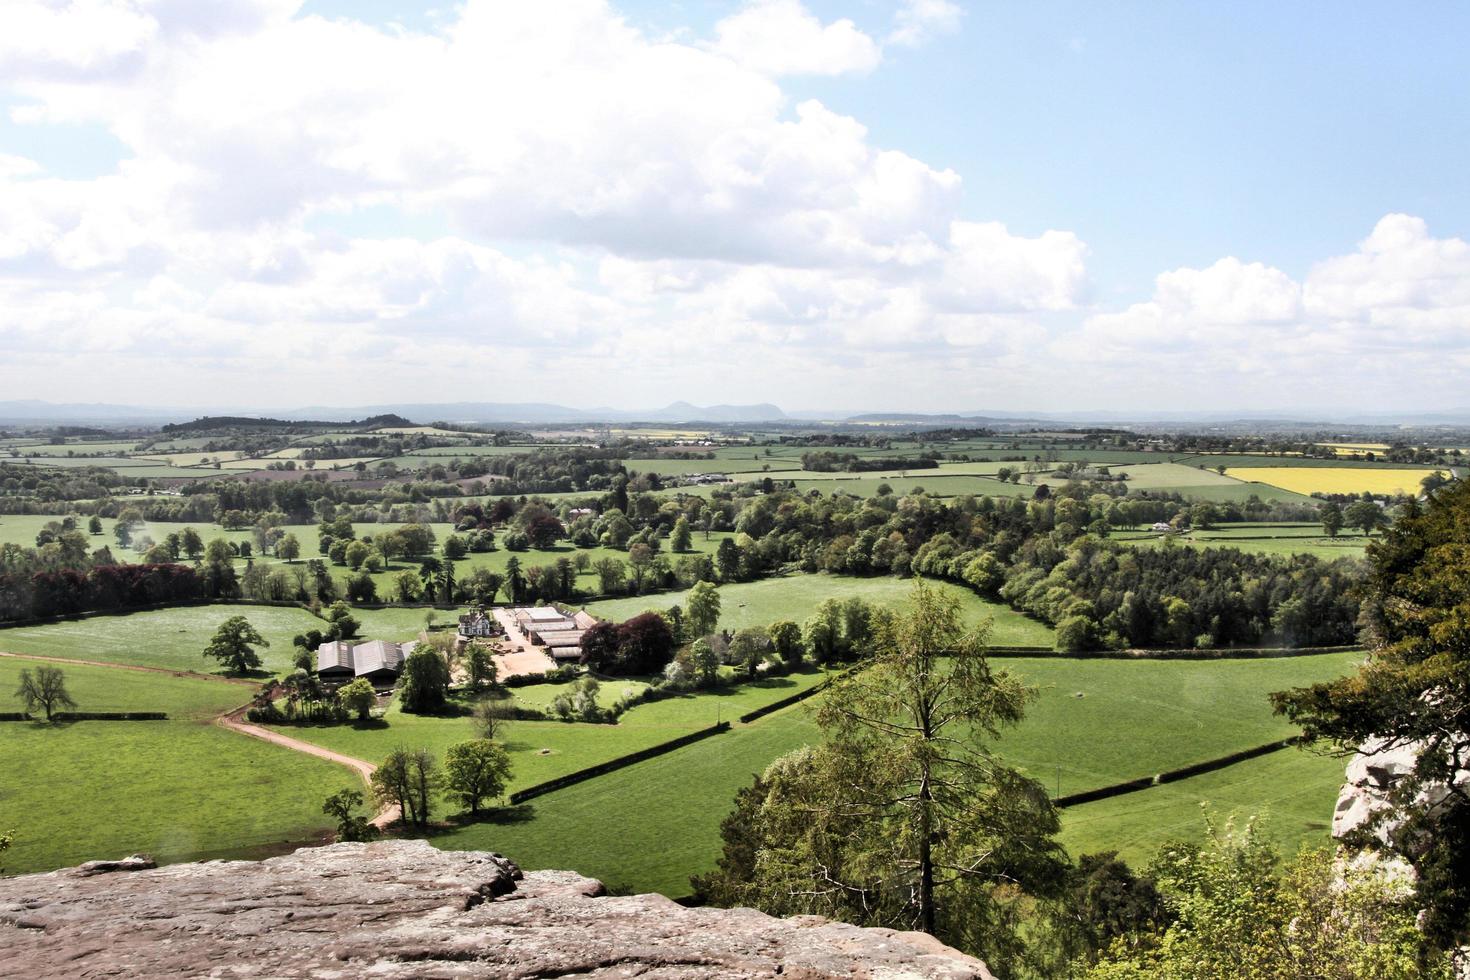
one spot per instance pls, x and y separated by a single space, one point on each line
406 909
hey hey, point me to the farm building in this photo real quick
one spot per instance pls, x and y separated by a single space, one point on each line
478 624
559 632
380 661
334 662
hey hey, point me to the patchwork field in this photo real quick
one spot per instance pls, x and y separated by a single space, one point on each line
542 750
1136 718
180 789
796 597
1336 479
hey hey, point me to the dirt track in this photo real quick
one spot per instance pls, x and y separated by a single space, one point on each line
234 720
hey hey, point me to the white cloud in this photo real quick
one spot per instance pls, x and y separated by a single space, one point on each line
917 21
610 191
782 37
1389 320
618 198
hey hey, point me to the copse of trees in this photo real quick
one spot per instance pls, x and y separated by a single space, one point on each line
642 645
424 686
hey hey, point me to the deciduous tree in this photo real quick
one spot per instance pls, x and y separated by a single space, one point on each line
44 689
233 645
475 771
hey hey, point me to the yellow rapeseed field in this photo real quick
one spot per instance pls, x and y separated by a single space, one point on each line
1355 448
1333 479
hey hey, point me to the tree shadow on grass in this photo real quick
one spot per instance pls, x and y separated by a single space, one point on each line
500 815
258 674
369 725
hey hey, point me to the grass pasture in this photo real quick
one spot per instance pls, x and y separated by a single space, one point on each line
1336 479
1142 717
174 639
796 597
1291 791
1137 718
606 827
542 750
181 789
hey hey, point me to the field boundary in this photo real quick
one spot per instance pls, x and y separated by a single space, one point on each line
786 702
1186 653
1175 775
613 765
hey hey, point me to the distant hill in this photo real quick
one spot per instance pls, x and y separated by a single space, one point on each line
541 413
215 422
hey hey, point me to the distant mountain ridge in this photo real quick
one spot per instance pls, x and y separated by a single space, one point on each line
34 412
540 413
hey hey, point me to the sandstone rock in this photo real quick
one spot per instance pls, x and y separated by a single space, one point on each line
396 909
1369 780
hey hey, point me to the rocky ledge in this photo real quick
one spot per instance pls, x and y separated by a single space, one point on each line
405 909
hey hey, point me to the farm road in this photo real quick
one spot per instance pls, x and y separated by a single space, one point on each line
234 721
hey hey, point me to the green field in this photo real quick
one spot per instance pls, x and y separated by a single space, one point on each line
180 789
1141 717
1291 791
1136 718
796 597
542 750
174 639
1263 542
647 827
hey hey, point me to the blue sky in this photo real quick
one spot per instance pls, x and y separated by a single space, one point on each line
912 204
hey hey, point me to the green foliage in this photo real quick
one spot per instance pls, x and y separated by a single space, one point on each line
358 697
351 825
1235 915
681 538
1414 691
481 667
787 642
903 816
425 683
579 703
702 609
233 645
475 771
409 780
341 624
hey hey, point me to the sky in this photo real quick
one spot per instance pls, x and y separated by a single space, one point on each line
906 205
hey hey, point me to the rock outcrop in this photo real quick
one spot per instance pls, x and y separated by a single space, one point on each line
1367 801
405 909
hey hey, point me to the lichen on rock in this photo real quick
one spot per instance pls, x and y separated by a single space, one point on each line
398 909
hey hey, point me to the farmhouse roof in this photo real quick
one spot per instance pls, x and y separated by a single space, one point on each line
334 655
584 619
377 655
542 614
